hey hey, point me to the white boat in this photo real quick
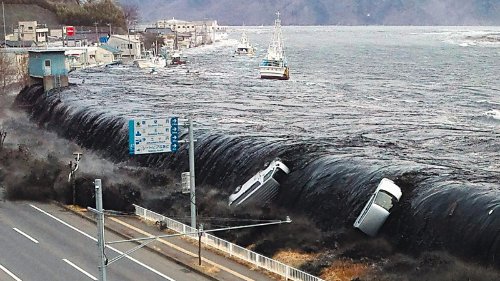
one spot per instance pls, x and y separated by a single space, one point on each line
244 46
150 61
262 187
275 65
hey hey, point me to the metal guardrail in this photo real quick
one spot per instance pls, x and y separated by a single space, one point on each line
290 273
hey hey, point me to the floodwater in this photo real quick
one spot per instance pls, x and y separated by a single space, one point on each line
419 105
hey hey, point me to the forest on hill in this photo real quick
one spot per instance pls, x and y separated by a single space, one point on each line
325 12
68 12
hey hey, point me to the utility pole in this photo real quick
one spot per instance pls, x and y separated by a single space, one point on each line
100 229
4 31
191 174
129 47
96 34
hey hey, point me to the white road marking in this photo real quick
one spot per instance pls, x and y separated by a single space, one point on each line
107 246
26 235
79 269
10 273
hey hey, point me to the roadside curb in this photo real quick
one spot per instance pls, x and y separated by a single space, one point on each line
149 248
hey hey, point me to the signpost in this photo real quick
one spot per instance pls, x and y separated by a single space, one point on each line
153 135
160 135
69 30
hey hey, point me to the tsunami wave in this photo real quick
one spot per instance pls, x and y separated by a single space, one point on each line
440 208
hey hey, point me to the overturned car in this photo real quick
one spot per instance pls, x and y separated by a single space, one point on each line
262 187
378 208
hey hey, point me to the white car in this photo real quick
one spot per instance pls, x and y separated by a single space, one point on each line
262 187
378 207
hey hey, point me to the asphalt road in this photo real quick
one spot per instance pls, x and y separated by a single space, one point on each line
44 242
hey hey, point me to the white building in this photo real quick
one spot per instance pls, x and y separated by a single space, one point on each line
202 32
177 25
129 45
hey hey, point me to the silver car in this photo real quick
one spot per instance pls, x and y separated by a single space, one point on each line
378 208
262 187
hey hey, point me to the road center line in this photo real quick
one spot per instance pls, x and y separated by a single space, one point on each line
107 246
9 273
26 235
79 269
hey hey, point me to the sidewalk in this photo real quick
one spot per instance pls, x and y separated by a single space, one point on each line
181 250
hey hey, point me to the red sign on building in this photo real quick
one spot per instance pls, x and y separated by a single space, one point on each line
70 30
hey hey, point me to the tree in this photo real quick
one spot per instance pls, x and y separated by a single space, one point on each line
8 71
152 41
130 13
22 70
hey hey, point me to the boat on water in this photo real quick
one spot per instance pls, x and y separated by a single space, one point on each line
262 187
177 58
244 46
275 65
150 60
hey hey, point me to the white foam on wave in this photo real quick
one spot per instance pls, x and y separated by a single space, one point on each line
207 49
468 38
494 114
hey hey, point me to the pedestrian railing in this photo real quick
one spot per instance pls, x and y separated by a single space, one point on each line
290 273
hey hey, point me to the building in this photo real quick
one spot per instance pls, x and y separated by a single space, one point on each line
17 44
31 31
27 31
78 40
159 31
197 32
129 45
48 67
176 25
106 54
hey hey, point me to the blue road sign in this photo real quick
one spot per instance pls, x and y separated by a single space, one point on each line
153 135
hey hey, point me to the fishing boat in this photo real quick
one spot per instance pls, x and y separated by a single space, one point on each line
244 46
275 65
150 60
176 58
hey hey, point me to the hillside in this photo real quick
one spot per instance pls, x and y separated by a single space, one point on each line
25 12
326 12
62 12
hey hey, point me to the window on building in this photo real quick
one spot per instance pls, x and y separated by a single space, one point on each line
130 46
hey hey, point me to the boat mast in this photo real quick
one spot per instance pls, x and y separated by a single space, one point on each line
275 51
